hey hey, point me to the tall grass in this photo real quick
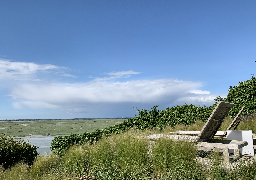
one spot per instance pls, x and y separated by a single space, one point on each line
130 156
173 159
124 156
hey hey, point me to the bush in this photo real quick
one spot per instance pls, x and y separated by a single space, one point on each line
147 119
242 95
13 152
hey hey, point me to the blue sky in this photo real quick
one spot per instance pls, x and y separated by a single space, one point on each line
87 58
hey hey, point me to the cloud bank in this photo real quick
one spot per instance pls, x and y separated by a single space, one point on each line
108 96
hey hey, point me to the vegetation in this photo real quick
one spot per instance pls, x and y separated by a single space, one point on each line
54 127
122 151
130 156
12 152
186 114
242 95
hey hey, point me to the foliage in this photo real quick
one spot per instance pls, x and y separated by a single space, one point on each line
186 114
242 95
128 156
12 152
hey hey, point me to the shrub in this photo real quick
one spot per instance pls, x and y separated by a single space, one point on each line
242 95
13 152
147 119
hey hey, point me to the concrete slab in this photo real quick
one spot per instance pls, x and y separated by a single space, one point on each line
236 120
196 133
245 135
214 121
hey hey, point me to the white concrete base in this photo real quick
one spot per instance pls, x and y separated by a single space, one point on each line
242 136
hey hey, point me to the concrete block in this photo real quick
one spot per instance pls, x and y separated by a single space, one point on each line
245 135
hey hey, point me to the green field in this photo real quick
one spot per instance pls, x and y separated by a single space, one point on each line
54 127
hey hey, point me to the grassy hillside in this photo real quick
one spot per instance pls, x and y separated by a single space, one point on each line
130 156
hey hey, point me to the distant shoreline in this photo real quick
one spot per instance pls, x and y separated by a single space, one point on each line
23 128
24 120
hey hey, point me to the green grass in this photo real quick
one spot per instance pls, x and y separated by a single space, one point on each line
130 156
127 156
124 156
54 127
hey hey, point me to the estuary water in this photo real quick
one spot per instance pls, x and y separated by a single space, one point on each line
43 142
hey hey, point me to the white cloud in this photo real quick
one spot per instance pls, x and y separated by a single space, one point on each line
105 94
200 92
8 68
198 99
201 98
103 91
14 73
123 73
80 95
116 74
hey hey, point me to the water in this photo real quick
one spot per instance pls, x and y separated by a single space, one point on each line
43 142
